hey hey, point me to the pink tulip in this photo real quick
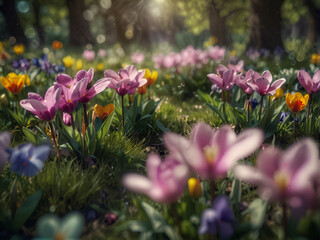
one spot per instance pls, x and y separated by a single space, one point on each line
241 81
88 55
66 80
216 53
45 109
263 84
224 81
126 81
284 176
212 153
137 58
165 182
310 85
102 53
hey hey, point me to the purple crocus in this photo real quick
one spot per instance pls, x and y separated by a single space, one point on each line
69 99
28 160
263 85
5 139
224 81
219 219
310 85
44 108
212 153
44 64
284 176
126 81
22 64
165 182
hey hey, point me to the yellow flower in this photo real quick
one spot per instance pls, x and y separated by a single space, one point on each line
233 53
103 112
68 61
13 82
79 64
315 59
143 89
297 102
195 189
100 66
18 49
150 76
278 94
1 47
212 40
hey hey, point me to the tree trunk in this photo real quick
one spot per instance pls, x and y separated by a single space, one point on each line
313 21
265 24
218 27
79 28
14 28
41 34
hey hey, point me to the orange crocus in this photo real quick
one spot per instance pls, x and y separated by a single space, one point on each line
56 45
143 89
13 82
103 112
297 102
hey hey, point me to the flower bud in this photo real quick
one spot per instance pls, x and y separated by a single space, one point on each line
195 189
67 119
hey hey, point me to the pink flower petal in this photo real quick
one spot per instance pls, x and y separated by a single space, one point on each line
305 80
201 135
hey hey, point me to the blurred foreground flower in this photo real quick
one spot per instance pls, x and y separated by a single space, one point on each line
212 153
165 182
18 49
44 108
296 102
56 45
50 226
28 160
284 176
5 139
68 61
14 83
103 112
219 219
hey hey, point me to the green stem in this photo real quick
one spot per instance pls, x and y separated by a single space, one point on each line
85 114
122 113
284 220
212 190
260 110
54 136
309 107
294 126
248 109
176 218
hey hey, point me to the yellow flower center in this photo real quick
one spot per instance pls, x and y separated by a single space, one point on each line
210 152
282 180
69 101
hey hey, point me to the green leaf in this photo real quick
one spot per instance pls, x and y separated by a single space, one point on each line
25 210
105 127
204 96
235 195
257 209
31 136
213 108
16 117
156 219
162 127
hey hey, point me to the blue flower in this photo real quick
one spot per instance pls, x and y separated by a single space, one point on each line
219 219
28 160
253 103
22 64
44 64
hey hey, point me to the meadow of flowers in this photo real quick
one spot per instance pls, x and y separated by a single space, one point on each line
190 144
